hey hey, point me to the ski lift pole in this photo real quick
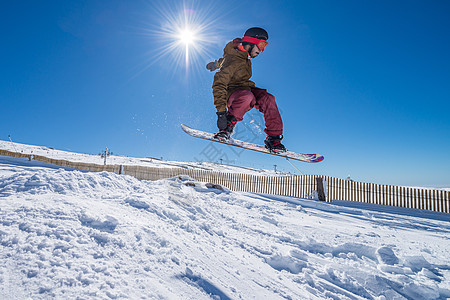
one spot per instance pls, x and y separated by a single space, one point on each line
294 166
106 154
9 136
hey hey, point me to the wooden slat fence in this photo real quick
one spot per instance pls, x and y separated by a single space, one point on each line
296 186
418 198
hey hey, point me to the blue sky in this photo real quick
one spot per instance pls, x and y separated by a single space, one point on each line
365 83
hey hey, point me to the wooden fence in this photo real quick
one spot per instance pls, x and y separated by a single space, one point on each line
64 163
418 198
295 186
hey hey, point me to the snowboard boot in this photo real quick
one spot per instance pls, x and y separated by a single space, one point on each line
225 134
273 144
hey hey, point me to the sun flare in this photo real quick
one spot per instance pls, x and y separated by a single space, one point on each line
187 36
184 35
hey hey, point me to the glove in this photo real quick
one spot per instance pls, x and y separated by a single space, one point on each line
212 66
222 122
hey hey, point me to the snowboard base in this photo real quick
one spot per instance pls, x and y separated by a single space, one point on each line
310 158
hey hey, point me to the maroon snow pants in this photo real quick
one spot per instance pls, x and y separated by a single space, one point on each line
241 101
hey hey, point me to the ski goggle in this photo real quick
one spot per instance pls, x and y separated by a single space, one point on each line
261 44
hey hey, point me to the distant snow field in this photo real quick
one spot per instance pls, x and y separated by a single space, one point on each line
134 161
68 234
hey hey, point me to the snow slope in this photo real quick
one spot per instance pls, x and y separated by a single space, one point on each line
68 234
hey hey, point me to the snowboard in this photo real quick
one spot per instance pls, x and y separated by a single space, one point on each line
310 158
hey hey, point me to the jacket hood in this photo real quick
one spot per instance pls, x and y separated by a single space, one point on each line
232 49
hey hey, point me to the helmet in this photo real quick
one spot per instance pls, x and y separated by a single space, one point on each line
257 32
256 36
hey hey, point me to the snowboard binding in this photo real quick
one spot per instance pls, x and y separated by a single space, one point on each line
225 134
274 145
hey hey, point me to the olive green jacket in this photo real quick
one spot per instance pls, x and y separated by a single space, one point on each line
234 74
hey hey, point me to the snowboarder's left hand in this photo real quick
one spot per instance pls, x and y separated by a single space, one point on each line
212 66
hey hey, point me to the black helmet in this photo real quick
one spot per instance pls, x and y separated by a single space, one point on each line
257 32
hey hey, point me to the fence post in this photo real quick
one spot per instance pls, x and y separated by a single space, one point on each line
320 189
300 186
402 193
421 203
433 201
348 194
391 199
447 202
411 197
395 190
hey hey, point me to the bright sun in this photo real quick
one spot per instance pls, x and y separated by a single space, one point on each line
184 34
187 36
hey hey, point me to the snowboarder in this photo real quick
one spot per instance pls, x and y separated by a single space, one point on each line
235 94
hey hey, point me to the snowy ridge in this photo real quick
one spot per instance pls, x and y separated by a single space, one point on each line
69 234
132 161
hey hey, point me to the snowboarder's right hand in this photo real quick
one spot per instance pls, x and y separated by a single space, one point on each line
212 66
222 120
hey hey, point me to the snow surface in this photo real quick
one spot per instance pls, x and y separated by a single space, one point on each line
68 234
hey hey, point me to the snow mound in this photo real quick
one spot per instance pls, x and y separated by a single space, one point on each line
72 234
